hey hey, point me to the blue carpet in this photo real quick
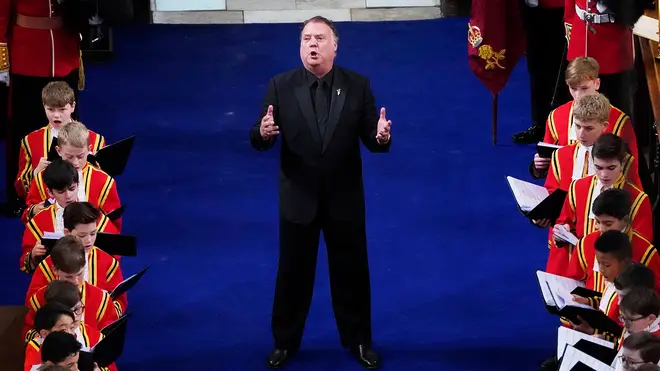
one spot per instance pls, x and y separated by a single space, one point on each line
452 260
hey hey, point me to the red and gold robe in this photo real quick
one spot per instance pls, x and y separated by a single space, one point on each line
560 122
581 265
87 337
562 163
100 190
37 145
99 309
576 212
103 271
45 221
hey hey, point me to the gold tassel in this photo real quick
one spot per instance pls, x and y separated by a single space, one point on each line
81 75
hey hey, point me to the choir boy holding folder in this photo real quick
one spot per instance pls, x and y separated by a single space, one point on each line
61 181
582 79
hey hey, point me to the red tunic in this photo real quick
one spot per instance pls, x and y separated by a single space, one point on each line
561 169
581 265
99 310
88 338
560 122
577 208
34 52
45 221
35 146
611 45
100 189
104 272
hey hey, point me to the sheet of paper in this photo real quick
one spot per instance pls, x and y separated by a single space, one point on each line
567 336
559 289
528 195
52 236
563 234
573 356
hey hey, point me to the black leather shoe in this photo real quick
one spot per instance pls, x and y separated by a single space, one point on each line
532 135
366 357
277 358
12 209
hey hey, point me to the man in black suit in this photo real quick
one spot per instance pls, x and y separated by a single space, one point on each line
321 112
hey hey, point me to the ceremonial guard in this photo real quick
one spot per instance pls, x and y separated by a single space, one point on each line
546 51
37 46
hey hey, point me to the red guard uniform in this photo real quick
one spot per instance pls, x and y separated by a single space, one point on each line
100 190
611 44
563 161
45 221
86 336
581 266
560 122
99 310
576 213
103 271
35 146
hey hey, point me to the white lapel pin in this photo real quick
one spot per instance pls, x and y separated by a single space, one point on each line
338 92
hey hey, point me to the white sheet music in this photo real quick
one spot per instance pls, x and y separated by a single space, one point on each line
563 234
52 236
572 356
567 336
548 145
556 290
528 195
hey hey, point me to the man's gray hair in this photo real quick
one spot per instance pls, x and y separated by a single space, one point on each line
326 21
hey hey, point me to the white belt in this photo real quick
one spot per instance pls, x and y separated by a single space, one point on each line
594 18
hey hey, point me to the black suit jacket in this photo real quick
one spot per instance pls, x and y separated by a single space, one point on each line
321 173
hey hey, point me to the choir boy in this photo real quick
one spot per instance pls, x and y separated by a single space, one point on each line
639 312
49 318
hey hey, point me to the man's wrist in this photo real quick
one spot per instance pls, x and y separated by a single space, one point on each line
384 141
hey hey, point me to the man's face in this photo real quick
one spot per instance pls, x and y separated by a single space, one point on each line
76 156
589 131
317 46
86 233
59 115
584 88
66 196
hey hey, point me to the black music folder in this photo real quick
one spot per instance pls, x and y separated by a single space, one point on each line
545 150
52 151
49 239
557 296
535 202
577 360
127 284
116 324
586 293
117 244
116 214
113 158
601 353
108 350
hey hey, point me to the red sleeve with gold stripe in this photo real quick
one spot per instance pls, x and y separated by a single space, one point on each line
550 135
651 260
642 215
114 277
577 266
41 277
553 180
107 312
33 304
623 128
24 176
567 215
32 355
630 170
36 194
109 202
96 141
31 236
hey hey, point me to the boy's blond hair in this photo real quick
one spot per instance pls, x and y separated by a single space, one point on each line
592 107
57 94
580 70
74 134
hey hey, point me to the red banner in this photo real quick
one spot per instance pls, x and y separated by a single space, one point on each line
496 41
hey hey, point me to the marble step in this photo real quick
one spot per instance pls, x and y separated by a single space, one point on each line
304 11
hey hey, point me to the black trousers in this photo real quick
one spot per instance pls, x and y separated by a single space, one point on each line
27 115
346 243
619 88
546 45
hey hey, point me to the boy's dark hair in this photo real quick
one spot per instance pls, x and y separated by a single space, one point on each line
60 175
644 367
615 243
68 255
58 346
47 316
62 292
635 275
646 343
610 147
614 202
642 301
80 213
